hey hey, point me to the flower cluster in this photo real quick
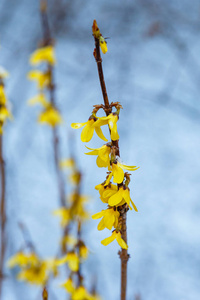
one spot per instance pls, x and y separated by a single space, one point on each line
49 115
4 111
115 194
33 269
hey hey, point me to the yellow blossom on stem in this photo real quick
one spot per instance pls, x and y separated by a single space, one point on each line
69 286
111 120
45 54
64 214
117 172
21 259
103 155
71 259
110 218
89 127
34 275
39 99
103 44
111 189
120 197
81 293
51 116
116 235
42 79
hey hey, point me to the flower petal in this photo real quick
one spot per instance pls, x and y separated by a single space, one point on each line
121 242
100 134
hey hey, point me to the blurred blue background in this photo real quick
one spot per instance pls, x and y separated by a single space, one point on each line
153 68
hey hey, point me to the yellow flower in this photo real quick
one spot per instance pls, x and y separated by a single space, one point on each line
34 275
111 120
110 218
21 259
116 235
45 54
43 79
103 44
120 197
117 172
72 259
64 214
103 155
67 163
89 127
50 116
39 99
81 294
111 189
69 286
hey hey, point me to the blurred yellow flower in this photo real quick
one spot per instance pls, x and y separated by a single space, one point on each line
71 259
69 286
64 214
45 54
110 218
42 79
39 99
116 235
50 116
21 259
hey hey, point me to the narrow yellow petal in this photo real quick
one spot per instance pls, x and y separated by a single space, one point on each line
78 125
98 215
101 225
129 168
116 198
121 242
134 206
118 173
87 133
100 133
109 239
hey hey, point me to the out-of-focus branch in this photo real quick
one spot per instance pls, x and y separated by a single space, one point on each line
2 214
47 40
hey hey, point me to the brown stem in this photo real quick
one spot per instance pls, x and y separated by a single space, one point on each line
124 256
2 214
